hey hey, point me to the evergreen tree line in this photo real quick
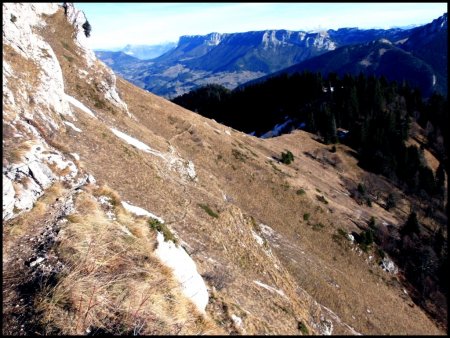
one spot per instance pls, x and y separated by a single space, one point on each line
376 113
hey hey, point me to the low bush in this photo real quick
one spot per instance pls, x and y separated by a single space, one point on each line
322 199
300 192
208 210
287 157
158 226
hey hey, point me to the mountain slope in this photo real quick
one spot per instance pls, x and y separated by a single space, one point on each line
92 266
379 58
418 56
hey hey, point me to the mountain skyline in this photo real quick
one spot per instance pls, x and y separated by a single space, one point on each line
161 23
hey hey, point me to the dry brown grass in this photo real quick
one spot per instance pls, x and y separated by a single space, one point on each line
15 153
112 281
252 187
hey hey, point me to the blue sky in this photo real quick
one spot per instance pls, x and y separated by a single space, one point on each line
117 24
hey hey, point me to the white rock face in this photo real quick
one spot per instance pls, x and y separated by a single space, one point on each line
184 270
8 198
389 266
31 178
77 18
326 327
110 91
19 19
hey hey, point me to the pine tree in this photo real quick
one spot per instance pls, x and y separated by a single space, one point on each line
390 201
87 29
440 181
411 226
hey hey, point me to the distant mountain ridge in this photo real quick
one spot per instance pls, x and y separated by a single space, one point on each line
231 59
143 52
419 57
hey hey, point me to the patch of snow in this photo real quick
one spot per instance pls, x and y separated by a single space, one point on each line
271 289
351 237
186 169
276 130
136 143
75 156
326 326
71 125
185 271
37 261
79 105
237 321
227 132
140 212
385 41
365 62
434 79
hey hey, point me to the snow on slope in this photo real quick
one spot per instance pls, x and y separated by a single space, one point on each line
185 168
185 271
80 105
175 257
140 212
136 143
271 289
71 125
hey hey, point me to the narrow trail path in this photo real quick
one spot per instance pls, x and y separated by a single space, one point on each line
29 265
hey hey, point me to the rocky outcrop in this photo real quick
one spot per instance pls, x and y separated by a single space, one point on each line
34 109
25 182
78 19
42 100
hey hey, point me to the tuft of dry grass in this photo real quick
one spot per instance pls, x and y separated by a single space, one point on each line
112 282
105 190
16 154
